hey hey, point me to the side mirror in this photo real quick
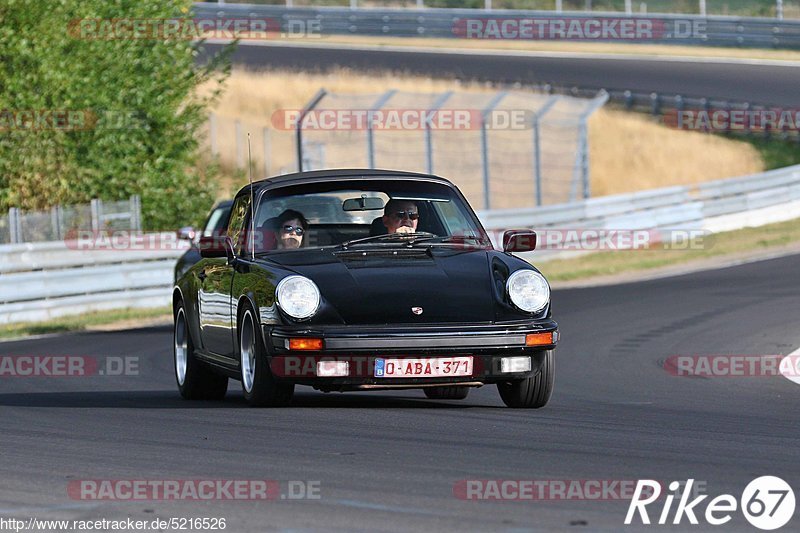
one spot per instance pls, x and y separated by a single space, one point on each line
519 240
186 233
215 246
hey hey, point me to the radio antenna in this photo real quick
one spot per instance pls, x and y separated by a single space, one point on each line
252 206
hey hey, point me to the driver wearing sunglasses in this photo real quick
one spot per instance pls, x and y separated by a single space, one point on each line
292 227
400 216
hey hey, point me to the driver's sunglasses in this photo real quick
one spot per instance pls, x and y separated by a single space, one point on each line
400 215
296 229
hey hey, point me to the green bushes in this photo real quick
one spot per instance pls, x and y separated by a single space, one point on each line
83 118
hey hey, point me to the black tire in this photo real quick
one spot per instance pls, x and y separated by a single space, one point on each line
199 381
533 392
259 386
452 392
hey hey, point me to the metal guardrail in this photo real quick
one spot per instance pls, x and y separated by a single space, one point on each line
448 23
39 281
720 205
624 6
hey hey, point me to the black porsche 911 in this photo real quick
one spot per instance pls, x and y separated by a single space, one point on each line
362 280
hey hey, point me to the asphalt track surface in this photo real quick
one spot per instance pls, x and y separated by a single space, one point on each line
388 461
771 84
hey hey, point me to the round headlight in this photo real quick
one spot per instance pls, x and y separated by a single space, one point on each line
298 296
528 290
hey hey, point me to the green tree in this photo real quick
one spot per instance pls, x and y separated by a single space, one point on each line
133 113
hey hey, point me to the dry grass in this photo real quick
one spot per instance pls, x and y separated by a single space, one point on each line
111 319
628 151
742 244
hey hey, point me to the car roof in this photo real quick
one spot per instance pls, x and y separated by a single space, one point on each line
319 176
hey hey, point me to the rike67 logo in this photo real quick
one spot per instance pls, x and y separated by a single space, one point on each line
767 503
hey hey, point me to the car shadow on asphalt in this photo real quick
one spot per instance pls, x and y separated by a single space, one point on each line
161 399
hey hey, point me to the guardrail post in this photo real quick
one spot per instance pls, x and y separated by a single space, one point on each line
628 99
487 198
559 6
487 5
299 126
14 226
420 4
136 212
97 214
437 104
779 9
379 103
746 108
54 222
703 8
655 101
353 4
629 7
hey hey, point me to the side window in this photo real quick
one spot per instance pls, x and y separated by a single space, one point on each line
238 222
454 220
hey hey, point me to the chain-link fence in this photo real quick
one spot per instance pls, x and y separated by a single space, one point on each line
59 222
503 149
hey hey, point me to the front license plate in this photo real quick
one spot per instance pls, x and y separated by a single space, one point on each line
437 367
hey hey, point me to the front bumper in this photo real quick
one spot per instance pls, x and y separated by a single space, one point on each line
360 347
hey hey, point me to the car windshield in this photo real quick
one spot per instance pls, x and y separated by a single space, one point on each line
217 220
365 213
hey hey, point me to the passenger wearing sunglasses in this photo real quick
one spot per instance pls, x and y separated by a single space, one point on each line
400 216
292 227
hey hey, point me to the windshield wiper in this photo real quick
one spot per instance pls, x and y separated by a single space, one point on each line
410 237
453 239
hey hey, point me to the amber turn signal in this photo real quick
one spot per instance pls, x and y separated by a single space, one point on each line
541 339
305 344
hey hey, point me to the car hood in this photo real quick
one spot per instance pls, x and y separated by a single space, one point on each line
372 285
